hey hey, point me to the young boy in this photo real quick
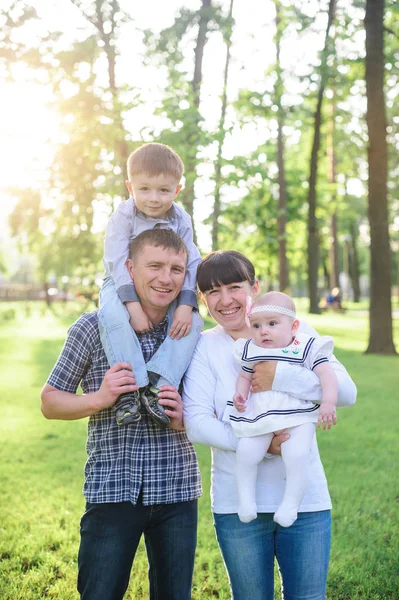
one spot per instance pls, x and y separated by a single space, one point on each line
154 172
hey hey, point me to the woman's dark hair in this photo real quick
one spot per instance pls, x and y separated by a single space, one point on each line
224 267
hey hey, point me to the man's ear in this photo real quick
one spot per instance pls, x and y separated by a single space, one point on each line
295 326
130 267
179 187
129 187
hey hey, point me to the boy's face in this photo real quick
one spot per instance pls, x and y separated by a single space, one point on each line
272 330
154 195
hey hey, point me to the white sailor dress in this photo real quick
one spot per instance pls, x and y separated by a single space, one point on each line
270 411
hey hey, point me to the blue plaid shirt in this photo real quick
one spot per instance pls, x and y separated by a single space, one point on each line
122 461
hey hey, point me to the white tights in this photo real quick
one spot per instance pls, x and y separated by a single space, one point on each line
295 454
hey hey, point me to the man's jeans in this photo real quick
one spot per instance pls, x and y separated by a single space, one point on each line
120 342
110 534
302 552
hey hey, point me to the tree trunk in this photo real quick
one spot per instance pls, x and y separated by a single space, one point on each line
332 179
222 135
313 235
282 211
354 262
380 315
187 195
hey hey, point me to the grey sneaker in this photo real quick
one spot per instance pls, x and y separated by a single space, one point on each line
127 409
149 399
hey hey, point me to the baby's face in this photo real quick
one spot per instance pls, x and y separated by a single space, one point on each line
154 195
271 330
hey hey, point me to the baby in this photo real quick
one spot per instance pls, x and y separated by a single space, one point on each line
273 323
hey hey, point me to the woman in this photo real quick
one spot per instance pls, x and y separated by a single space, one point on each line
225 279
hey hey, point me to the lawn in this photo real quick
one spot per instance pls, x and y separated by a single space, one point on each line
42 462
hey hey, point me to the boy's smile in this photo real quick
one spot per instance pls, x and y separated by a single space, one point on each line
154 195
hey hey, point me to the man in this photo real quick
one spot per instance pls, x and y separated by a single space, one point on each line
139 479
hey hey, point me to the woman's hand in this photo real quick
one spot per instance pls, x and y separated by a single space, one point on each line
279 438
263 377
170 398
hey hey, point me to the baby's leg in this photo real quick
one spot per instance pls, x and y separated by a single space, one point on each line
295 453
250 452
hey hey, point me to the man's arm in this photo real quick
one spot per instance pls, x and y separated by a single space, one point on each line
58 404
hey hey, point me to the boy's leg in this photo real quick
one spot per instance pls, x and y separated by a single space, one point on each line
295 453
110 534
168 366
172 358
250 452
170 540
120 344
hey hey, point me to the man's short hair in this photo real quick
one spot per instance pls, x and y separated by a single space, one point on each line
164 238
155 159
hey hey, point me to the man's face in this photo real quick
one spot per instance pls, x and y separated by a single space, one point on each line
158 275
154 195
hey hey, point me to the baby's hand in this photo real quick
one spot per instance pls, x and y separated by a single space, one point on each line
182 319
239 402
327 415
138 319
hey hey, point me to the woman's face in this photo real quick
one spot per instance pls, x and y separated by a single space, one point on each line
227 303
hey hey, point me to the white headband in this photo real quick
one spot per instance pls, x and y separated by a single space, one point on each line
273 309
266 308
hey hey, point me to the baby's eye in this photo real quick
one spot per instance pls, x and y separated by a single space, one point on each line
273 323
256 325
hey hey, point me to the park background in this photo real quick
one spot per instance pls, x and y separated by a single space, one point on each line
285 114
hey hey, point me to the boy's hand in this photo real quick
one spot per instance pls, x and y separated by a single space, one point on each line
239 402
138 319
171 400
182 319
327 415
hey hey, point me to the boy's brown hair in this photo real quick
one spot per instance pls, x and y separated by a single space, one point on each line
154 159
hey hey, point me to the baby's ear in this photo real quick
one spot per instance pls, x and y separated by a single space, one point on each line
295 325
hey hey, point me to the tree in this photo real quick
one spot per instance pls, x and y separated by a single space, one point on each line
221 135
313 234
381 338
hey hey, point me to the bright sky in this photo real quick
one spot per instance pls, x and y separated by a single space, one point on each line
28 128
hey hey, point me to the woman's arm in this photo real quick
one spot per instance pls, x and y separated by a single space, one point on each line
202 426
300 382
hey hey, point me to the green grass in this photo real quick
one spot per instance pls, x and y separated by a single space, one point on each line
41 474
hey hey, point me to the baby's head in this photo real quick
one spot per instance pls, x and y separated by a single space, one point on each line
154 172
272 320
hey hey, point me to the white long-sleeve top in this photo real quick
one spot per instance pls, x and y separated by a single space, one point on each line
127 222
210 382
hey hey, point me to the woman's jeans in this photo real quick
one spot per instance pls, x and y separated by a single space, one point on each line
110 534
120 342
302 552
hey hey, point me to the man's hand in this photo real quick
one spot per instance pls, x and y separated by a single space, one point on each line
118 380
170 398
327 415
239 402
138 319
182 320
279 438
263 377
